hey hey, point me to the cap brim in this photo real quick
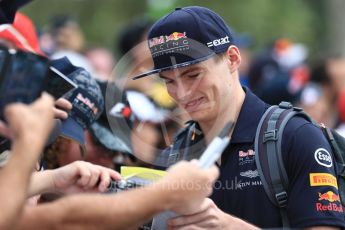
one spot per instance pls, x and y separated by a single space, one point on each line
108 140
72 130
176 66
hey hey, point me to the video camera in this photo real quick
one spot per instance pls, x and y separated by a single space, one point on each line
24 75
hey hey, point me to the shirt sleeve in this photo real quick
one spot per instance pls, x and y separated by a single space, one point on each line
313 197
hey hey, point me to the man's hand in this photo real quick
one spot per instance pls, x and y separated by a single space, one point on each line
81 176
207 216
29 124
188 185
28 127
61 109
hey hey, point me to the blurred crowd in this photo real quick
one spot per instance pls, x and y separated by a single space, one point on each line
144 108
73 139
284 70
139 118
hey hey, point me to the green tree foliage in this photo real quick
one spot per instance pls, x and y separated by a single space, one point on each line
264 20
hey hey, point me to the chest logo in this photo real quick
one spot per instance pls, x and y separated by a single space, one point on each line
246 157
250 173
250 152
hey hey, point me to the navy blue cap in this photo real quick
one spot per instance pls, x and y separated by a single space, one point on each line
117 139
87 100
186 36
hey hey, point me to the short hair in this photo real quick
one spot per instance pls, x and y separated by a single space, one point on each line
219 57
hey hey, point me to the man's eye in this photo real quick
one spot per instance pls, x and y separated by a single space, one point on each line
194 75
168 81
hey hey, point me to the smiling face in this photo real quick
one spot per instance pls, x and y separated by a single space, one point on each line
203 90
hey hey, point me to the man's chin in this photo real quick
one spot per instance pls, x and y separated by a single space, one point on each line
200 115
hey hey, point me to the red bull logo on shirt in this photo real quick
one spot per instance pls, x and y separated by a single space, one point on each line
246 157
331 198
250 152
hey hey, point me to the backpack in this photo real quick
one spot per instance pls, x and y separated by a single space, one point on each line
268 154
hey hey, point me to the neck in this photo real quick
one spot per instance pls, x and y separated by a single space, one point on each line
231 112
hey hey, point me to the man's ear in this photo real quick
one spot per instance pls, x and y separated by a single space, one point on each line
233 58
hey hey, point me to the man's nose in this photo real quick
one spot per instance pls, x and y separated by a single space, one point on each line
182 90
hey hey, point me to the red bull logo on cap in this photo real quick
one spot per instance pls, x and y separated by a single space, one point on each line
167 44
87 102
175 36
163 39
156 41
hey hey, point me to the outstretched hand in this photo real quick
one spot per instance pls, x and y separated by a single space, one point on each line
81 176
189 184
206 216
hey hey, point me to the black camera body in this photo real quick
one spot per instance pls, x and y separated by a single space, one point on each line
22 77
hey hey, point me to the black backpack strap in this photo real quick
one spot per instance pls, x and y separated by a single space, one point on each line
274 181
337 143
172 154
269 160
259 151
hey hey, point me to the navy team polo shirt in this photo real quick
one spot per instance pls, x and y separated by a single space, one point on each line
239 190
313 198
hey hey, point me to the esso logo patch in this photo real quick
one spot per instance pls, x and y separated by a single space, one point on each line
323 157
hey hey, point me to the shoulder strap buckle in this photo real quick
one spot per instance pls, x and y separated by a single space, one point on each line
282 199
271 135
285 105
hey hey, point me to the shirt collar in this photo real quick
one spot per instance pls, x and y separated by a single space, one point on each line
249 117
